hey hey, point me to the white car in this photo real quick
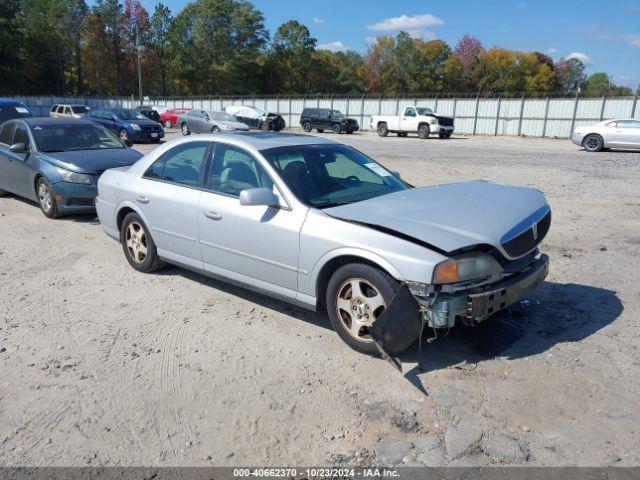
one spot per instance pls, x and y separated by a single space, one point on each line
612 133
413 119
68 111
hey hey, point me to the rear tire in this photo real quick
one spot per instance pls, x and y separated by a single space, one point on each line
593 143
376 289
336 129
383 130
137 244
46 200
306 126
264 126
423 131
185 129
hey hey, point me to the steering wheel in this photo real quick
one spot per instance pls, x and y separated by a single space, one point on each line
352 179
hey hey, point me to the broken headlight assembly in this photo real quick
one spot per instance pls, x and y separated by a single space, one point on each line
466 267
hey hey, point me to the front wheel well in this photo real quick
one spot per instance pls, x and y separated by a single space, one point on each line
123 212
328 270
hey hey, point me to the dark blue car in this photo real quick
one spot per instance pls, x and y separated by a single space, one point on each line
10 109
57 162
127 124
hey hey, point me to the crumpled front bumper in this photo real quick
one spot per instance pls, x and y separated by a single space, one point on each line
477 304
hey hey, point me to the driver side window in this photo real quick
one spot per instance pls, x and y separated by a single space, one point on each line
21 135
235 170
181 165
409 112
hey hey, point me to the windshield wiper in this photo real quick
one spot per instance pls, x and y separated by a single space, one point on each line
330 204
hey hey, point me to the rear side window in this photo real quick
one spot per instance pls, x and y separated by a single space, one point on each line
60 109
6 133
21 135
181 164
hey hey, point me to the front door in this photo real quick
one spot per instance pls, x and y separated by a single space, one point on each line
409 120
17 169
257 245
168 194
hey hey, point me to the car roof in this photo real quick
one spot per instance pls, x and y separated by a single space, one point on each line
10 101
266 140
42 121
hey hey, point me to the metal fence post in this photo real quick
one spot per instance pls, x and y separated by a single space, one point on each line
495 130
397 105
475 116
575 112
362 112
520 119
633 106
347 114
435 104
546 117
290 114
604 101
455 105
379 105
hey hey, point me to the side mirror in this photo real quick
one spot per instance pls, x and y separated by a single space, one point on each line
18 148
259 196
128 143
396 173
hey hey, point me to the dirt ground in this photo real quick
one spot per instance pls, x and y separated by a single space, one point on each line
102 365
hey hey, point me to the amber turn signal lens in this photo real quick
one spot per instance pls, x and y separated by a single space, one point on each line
446 272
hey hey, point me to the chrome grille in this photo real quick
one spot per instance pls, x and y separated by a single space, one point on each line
529 239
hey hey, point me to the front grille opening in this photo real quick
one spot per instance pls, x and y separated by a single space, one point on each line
529 239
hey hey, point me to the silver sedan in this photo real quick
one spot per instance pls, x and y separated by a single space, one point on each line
623 134
206 121
319 224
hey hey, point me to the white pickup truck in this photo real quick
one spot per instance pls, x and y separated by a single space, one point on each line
414 119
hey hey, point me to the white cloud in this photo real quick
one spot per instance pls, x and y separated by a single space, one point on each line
633 40
318 20
583 57
336 46
630 38
552 50
415 25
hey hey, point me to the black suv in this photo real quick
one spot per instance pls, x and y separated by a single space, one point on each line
325 119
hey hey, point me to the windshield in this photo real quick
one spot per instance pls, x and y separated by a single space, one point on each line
17 110
129 115
80 109
424 111
324 176
337 114
221 117
64 138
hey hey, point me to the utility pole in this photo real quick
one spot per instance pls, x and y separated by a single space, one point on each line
139 66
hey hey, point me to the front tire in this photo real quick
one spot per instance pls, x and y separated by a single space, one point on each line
336 129
306 126
46 200
423 131
167 123
185 129
383 130
138 246
593 143
356 296
215 130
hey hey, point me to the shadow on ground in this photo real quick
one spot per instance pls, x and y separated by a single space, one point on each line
558 313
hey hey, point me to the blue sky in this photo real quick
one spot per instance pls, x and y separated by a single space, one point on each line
604 34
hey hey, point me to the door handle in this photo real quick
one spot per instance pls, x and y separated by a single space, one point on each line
142 199
213 215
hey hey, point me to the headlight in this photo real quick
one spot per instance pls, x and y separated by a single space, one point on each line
226 127
73 177
466 267
135 126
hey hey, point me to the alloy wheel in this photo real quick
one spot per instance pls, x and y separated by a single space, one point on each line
44 197
358 305
136 240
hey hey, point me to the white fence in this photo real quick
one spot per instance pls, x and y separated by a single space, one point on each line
536 117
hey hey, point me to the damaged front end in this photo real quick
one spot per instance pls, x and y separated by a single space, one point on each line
440 306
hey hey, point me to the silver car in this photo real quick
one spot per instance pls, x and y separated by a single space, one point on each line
319 224
204 121
623 134
68 111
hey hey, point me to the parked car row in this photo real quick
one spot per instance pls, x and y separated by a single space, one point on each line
254 208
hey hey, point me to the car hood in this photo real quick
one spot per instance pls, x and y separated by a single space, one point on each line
93 161
143 123
451 217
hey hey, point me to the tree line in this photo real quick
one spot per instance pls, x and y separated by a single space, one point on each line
221 47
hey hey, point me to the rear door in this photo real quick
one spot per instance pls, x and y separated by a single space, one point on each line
168 194
257 245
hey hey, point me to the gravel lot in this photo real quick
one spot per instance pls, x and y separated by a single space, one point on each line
102 365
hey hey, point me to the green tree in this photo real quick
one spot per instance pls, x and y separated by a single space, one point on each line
570 74
161 22
110 16
380 66
293 47
215 47
75 25
597 85
9 45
